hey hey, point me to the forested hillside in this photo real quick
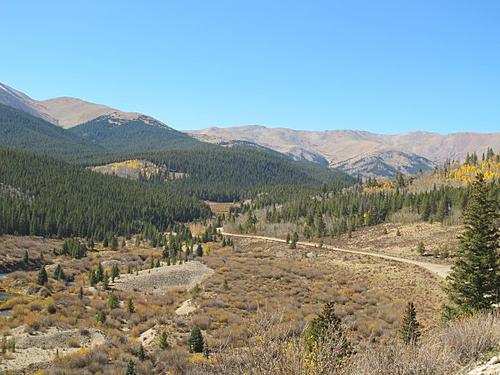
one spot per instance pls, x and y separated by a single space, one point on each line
21 130
227 174
117 133
432 198
43 196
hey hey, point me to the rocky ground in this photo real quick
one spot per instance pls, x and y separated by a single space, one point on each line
37 350
185 276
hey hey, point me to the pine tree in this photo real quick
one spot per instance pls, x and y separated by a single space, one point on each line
26 257
113 301
80 293
115 272
59 273
320 225
93 278
196 342
163 340
105 281
42 276
327 329
410 328
101 317
99 273
474 282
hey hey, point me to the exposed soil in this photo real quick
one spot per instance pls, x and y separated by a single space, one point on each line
157 280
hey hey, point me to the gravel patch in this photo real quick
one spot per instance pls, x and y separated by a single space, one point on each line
157 280
39 350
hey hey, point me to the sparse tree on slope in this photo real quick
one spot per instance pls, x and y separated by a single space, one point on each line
474 282
410 327
196 342
42 276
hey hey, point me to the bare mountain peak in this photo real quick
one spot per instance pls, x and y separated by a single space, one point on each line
66 111
18 100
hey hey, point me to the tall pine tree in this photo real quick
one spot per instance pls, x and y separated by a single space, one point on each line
474 282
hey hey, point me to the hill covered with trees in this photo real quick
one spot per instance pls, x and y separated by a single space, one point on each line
21 130
44 196
118 133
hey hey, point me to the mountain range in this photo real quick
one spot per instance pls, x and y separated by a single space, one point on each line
360 152
96 126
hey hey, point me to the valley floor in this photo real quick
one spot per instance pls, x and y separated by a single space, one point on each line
226 293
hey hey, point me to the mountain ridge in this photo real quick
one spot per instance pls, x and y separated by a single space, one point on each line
339 147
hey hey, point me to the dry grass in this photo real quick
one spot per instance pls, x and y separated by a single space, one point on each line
437 239
256 279
267 277
446 351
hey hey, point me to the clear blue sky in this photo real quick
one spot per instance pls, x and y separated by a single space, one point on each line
381 66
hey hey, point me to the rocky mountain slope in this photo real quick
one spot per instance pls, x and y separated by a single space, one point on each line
16 99
65 112
359 151
385 164
70 112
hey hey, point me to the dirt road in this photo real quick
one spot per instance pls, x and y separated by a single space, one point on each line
441 270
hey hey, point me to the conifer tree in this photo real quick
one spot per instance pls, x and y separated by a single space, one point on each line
320 225
474 282
113 301
99 273
115 272
327 323
59 273
80 293
42 276
163 340
327 333
410 328
101 317
105 281
93 278
196 341
26 257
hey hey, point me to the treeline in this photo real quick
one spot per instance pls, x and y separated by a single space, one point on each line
343 212
43 196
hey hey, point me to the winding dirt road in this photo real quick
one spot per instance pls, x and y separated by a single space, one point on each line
441 270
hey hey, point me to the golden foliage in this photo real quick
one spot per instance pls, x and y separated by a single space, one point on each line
466 173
